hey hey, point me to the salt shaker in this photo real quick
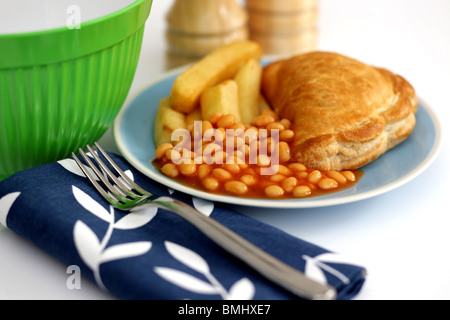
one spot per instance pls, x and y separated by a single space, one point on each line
283 27
197 27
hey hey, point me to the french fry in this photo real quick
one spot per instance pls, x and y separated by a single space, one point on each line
263 104
195 115
218 66
166 122
249 82
222 98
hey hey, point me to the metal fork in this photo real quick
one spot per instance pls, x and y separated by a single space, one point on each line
124 194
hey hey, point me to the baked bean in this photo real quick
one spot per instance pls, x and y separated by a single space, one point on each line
274 191
173 156
263 120
263 135
287 135
220 157
251 134
215 117
327 184
198 159
315 176
212 184
275 126
263 161
208 135
277 178
226 121
302 175
232 168
302 192
220 135
246 150
271 146
170 170
255 146
250 171
211 148
289 184
271 113
236 187
297 167
243 165
162 149
187 169
203 171
281 169
238 142
286 123
187 156
284 152
237 157
222 174
249 179
349 175
206 125
238 126
340 178
312 186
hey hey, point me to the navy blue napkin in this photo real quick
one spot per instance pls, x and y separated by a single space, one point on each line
154 254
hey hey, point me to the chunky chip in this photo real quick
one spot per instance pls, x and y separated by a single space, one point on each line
223 98
166 122
220 65
249 82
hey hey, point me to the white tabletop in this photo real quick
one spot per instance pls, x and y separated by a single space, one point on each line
401 237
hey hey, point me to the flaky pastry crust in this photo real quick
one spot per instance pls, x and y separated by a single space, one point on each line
345 114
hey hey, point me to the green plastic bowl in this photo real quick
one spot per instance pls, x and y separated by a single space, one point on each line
62 88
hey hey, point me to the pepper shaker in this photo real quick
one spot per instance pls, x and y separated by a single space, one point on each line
283 27
197 27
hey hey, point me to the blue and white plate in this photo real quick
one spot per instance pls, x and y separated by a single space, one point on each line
133 133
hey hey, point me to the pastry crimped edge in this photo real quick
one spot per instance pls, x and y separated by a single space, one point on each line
366 139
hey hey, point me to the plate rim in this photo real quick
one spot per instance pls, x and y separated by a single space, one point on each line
267 203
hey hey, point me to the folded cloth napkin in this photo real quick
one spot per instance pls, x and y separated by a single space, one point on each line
154 254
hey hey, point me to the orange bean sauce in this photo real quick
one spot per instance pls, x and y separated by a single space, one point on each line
247 161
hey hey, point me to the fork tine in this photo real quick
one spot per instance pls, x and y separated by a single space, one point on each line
99 188
120 172
118 194
124 189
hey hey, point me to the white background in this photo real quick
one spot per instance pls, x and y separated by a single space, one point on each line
402 237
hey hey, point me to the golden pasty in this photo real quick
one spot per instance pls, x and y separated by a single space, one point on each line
345 114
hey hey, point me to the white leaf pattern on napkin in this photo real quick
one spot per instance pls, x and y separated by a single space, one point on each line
136 219
244 289
315 267
91 205
94 252
87 244
186 281
6 203
72 166
124 251
187 257
204 206
313 271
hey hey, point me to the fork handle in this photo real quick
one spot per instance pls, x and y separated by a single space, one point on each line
268 266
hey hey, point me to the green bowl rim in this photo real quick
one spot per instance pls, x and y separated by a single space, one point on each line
61 44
